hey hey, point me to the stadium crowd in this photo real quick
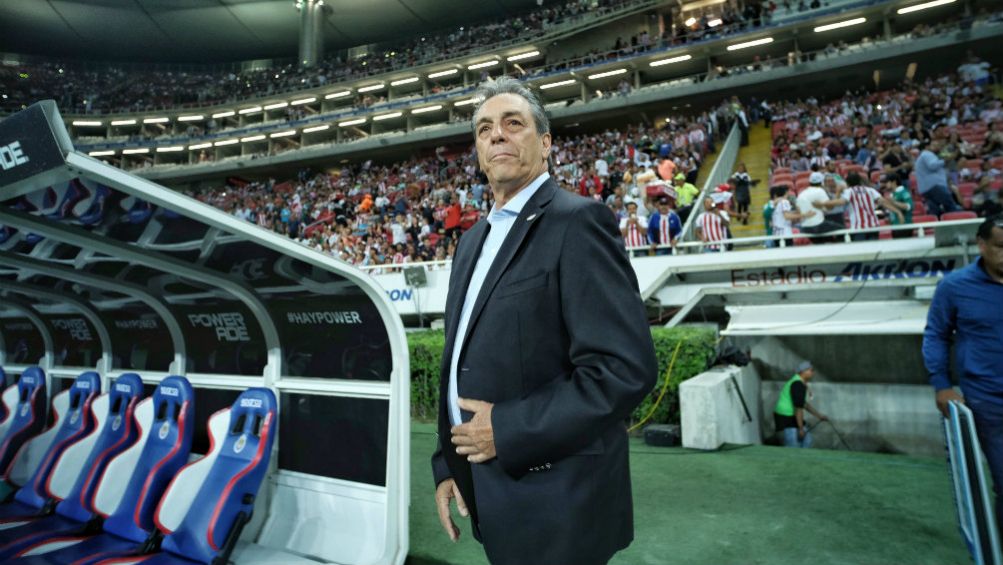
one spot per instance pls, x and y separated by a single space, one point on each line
111 89
923 149
374 214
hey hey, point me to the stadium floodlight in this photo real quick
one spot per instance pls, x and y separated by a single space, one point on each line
349 123
192 118
387 116
87 123
481 65
199 146
155 120
226 114
310 100
276 106
690 21
171 149
226 142
837 25
251 110
752 43
444 73
465 102
715 22
923 6
670 60
371 87
403 81
317 128
101 153
252 138
139 151
426 109
608 74
341 94
123 122
283 134
558 83
521 56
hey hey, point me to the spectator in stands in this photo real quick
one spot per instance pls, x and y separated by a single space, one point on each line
815 199
862 204
788 415
784 217
712 226
965 315
664 226
634 228
685 193
743 198
931 179
899 197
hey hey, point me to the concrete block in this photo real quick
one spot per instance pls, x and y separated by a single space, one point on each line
712 411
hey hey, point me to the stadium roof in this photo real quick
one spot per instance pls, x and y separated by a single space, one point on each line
220 30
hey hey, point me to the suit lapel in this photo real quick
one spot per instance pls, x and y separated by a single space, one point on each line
463 269
529 216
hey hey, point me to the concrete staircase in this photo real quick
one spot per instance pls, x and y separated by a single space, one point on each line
756 157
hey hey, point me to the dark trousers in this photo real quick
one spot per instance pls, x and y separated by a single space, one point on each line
938 200
989 427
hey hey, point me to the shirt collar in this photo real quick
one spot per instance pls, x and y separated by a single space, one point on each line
514 206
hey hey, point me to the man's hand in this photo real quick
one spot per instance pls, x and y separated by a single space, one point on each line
801 433
476 438
822 417
944 397
447 489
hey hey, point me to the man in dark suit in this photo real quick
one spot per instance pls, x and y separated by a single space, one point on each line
547 353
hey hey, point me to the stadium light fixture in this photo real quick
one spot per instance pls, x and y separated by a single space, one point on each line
752 43
690 21
341 94
608 74
404 81
276 106
387 116
426 109
86 123
310 100
482 65
171 149
465 102
252 138
251 110
837 25
155 120
557 84
226 114
350 123
193 118
923 6
371 87
226 142
139 151
283 134
101 153
444 73
123 122
199 146
715 22
670 60
521 56
317 128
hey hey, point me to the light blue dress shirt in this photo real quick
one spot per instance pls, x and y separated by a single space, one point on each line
501 222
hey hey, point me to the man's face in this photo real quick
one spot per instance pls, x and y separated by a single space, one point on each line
991 251
509 150
808 373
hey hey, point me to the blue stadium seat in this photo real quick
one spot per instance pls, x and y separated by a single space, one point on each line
25 404
132 483
78 469
74 420
225 483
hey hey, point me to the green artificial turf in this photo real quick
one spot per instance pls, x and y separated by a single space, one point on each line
749 505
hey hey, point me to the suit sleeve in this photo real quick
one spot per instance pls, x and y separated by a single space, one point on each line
440 471
611 352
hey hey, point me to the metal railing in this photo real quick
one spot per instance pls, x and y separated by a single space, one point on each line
719 173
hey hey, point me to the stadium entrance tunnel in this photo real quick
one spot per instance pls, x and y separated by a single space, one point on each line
104 271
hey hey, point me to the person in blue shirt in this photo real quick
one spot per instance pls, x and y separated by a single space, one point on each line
664 225
967 309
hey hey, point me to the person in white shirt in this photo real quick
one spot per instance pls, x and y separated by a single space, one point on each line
784 215
602 168
814 199
634 228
